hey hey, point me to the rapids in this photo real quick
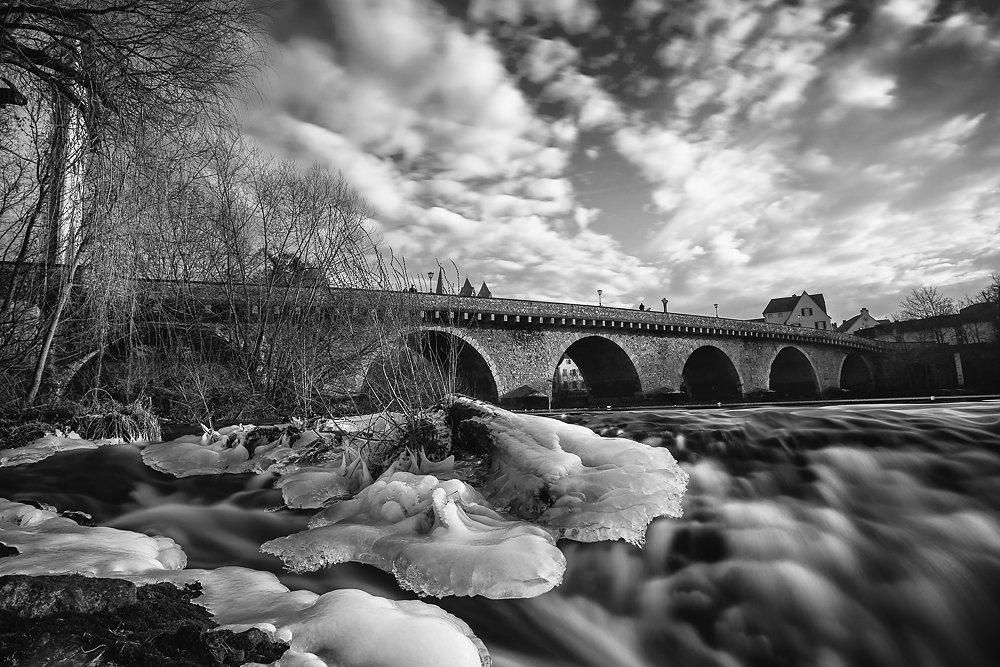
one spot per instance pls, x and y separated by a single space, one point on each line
833 535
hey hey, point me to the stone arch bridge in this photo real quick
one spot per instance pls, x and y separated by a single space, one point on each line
506 349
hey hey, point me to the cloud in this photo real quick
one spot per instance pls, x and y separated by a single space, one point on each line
595 108
856 85
944 141
772 146
575 16
527 257
547 57
792 149
437 136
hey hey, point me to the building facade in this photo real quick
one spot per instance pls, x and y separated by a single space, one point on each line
803 310
863 320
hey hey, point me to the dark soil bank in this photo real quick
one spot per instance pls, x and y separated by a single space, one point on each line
76 620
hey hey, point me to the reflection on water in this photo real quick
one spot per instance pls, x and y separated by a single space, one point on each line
840 535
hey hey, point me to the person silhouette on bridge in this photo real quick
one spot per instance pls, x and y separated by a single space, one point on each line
642 306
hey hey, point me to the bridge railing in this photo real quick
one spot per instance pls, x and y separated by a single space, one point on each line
454 309
626 318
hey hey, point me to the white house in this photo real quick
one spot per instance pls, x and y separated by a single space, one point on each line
568 376
863 320
803 310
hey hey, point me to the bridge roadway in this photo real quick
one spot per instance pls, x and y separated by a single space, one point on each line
512 345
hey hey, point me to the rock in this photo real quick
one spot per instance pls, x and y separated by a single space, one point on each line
76 620
38 597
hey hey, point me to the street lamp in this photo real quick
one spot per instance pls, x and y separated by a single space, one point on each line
716 309
430 281
665 302
599 293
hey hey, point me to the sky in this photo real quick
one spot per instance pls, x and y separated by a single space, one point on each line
703 151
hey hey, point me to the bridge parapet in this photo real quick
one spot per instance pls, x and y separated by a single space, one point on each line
496 311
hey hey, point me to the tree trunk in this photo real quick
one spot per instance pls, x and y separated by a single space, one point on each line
50 334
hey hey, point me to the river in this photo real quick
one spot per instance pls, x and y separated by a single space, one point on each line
822 535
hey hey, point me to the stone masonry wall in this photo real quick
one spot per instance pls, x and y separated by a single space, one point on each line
529 356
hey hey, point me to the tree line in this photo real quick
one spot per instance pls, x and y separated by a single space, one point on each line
126 187
927 302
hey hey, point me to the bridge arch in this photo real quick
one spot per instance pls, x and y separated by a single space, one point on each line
856 375
710 375
438 360
792 374
609 370
149 344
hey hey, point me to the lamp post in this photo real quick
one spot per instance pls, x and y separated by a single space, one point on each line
430 281
599 293
665 302
716 309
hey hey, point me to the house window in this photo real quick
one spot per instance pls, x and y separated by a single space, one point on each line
807 311
821 325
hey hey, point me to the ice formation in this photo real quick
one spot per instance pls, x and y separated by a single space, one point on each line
541 479
232 449
47 445
50 544
566 477
346 628
436 537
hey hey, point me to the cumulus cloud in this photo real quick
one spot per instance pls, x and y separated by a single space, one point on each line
453 158
793 148
772 146
575 16
858 86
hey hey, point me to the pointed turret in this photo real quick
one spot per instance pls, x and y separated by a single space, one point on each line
485 292
440 285
467 289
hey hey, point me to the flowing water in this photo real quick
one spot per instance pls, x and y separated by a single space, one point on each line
837 535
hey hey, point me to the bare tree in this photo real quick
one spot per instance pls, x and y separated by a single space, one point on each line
98 82
260 279
990 293
925 303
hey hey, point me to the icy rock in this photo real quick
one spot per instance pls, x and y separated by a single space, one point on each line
44 447
566 477
344 628
231 450
50 544
312 487
437 538
214 452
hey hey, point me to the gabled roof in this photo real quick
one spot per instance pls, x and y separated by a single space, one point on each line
847 324
783 304
485 292
786 304
522 392
440 285
467 289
